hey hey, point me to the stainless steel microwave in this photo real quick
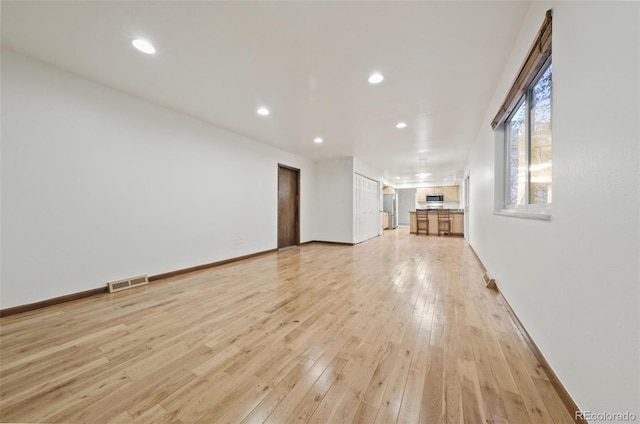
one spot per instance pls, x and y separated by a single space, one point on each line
435 197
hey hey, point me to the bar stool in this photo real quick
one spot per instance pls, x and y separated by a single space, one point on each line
422 217
444 221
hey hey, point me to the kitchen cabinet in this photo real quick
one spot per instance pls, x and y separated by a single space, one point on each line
413 222
450 193
433 223
385 221
457 223
433 190
421 194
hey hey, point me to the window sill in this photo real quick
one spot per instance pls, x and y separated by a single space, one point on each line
523 214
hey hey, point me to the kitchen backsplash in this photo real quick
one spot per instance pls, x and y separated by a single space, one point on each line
445 205
451 205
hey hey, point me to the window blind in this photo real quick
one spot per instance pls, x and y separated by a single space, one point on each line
536 58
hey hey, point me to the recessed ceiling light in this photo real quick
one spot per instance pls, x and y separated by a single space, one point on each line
144 46
318 140
263 111
375 78
397 178
401 125
424 175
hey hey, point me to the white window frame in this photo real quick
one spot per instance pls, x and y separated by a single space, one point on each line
528 210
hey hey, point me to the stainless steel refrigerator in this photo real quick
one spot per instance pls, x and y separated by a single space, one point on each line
390 205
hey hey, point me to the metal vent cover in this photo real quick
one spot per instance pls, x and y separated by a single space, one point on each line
139 280
127 283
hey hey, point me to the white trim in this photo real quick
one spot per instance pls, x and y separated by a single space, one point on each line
521 214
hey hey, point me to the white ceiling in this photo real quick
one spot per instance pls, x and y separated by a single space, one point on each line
308 62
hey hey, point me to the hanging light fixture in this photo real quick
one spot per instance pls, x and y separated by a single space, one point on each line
422 166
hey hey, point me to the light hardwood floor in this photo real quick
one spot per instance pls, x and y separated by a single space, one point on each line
399 329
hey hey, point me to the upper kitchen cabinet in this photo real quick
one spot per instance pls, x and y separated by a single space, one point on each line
423 192
451 193
432 190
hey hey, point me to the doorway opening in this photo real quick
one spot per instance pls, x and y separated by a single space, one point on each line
288 206
467 187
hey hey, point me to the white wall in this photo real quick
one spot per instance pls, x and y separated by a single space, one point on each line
366 170
333 202
574 281
334 198
406 203
98 185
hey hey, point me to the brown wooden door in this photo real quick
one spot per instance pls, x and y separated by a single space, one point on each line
288 206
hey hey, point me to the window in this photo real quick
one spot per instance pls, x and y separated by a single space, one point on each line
528 159
524 136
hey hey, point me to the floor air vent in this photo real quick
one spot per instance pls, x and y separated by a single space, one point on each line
127 283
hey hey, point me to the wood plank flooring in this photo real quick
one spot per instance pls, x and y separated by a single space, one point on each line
399 329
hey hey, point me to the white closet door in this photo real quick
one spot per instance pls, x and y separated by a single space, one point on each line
365 205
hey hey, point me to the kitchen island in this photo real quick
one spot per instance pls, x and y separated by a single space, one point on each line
457 222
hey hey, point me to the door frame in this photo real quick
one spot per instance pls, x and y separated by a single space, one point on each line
297 205
466 197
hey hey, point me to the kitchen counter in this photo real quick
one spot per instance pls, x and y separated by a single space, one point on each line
457 222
